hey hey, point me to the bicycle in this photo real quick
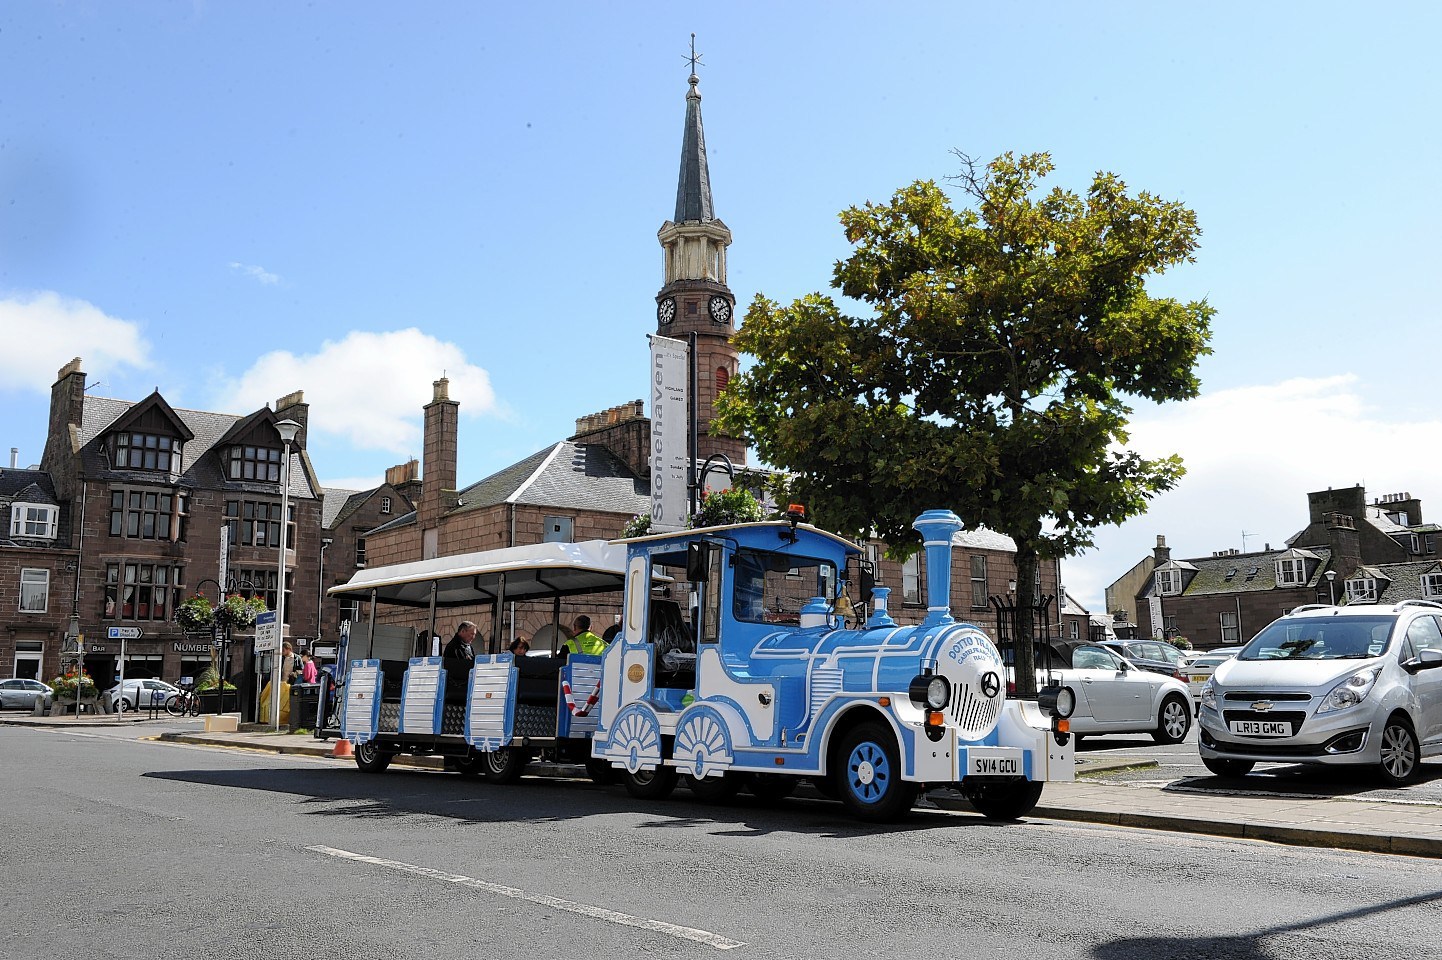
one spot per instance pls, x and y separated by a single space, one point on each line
186 701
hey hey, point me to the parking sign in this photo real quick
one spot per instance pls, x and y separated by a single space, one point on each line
267 632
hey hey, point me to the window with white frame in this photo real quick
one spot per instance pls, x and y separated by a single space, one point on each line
911 579
978 581
35 520
34 590
1291 572
1169 582
1230 630
1432 585
1075 630
385 504
350 610
1362 590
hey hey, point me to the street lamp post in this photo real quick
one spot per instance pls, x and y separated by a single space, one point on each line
1332 586
287 430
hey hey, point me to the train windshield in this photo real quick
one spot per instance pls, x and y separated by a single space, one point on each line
773 587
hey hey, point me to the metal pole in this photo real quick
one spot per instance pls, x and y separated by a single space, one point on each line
691 444
275 658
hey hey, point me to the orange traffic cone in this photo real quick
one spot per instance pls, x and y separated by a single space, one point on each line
342 749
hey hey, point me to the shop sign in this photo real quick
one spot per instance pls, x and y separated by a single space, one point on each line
182 647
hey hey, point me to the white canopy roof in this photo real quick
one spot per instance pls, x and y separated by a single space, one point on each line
534 571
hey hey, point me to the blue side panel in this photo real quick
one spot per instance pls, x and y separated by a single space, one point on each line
423 696
491 703
360 716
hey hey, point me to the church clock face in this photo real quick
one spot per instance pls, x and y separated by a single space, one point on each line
720 309
666 310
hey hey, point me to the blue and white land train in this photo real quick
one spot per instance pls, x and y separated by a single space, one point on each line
731 671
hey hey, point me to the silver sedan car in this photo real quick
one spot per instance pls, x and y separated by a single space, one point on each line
23 694
1114 695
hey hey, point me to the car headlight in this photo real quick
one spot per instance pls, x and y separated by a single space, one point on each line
1208 696
1351 691
931 690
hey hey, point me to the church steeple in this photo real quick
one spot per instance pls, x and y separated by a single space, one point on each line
695 297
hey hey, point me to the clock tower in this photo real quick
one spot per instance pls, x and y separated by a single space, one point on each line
695 298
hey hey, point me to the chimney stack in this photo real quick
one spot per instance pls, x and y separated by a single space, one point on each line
438 464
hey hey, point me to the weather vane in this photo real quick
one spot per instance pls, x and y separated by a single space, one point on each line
695 57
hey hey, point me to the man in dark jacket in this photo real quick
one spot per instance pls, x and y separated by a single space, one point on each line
459 647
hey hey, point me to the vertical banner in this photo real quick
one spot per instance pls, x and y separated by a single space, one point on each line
1154 611
668 434
224 557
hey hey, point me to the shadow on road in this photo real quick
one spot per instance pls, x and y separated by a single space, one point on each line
1250 946
400 793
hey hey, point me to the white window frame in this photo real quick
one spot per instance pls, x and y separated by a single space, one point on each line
911 579
33 576
1432 585
1362 590
1230 625
1169 583
1291 572
22 524
385 504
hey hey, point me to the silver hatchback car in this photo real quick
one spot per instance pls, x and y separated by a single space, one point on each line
1330 685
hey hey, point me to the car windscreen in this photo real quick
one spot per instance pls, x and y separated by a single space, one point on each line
1321 638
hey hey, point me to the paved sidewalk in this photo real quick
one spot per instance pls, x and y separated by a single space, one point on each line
1336 822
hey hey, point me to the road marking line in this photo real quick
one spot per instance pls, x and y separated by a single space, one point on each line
587 910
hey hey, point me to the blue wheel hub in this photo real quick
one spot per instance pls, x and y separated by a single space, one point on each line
868 772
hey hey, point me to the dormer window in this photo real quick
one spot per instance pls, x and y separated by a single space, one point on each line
1432 585
254 463
1362 590
146 451
1291 572
385 504
1169 582
33 520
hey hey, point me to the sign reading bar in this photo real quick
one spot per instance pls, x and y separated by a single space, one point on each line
267 632
668 434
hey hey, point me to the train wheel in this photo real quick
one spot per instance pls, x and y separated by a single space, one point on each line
1003 801
471 765
370 758
654 784
868 776
600 771
771 787
722 789
505 765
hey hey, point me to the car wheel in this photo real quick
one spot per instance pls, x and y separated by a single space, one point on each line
655 784
124 705
372 759
1400 753
1173 720
868 775
1231 769
1003 801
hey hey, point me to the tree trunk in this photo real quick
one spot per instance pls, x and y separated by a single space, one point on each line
1024 649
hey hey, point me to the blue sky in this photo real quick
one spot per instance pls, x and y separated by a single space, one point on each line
231 201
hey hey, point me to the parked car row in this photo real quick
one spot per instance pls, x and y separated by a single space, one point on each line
21 693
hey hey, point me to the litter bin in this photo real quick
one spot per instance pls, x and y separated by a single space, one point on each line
304 701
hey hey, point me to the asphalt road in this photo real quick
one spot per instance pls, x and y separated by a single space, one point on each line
119 847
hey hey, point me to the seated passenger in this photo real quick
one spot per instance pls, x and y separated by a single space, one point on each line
519 647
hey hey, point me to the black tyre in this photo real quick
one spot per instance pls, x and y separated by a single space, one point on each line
771 787
722 789
470 765
1231 769
195 706
1003 801
1400 753
601 771
505 765
1174 720
654 784
867 774
123 705
370 758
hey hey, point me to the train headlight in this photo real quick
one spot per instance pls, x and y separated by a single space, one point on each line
931 690
1057 701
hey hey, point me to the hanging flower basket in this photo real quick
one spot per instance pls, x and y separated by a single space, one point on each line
237 612
194 613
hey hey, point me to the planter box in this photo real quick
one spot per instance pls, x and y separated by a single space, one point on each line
231 703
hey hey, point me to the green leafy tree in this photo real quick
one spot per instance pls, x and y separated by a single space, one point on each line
993 370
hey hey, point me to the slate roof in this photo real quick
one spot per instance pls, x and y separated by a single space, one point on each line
31 486
983 539
1211 575
338 503
1399 581
200 471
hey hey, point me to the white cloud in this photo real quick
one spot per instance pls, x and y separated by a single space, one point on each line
259 274
45 330
368 388
1252 455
